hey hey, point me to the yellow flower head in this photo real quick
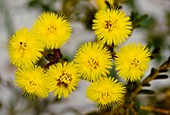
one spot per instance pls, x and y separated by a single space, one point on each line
112 26
24 49
132 61
53 30
102 5
93 60
63 78
32 81
106 92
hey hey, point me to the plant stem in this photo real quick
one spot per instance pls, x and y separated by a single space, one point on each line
149 78
148 108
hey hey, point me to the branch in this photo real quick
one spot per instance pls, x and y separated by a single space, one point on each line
153 75
158 110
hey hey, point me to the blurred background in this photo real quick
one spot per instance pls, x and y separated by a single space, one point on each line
153 31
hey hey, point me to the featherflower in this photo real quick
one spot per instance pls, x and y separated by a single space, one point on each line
132 61
63 78
32 81
24 49
93 60
112 26
106 92
53 30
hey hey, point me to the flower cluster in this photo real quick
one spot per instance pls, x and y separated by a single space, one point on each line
27 47
111 27
93 61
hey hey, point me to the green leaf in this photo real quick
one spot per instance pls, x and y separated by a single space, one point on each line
148 23
143 17
146 84
93 113
45 7
153 70
133 16
137 20
146 91
163 70
156 50
136 105
34 3
161 77
108 5
166 62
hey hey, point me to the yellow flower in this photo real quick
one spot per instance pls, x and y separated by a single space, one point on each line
112 26
24 49
102 5
63 78
106 92
53 30
32 81
93 60
132 61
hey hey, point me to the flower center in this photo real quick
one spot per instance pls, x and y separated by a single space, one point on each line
111 24
105 95
134 62
93 63
31 86
23 46
64 79
52 29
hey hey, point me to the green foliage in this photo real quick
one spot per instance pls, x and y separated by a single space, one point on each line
161 77
146 91
41 4
136 19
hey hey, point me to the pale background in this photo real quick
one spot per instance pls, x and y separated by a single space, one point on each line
14 14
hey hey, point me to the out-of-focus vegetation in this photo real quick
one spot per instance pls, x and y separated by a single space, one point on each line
83 11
